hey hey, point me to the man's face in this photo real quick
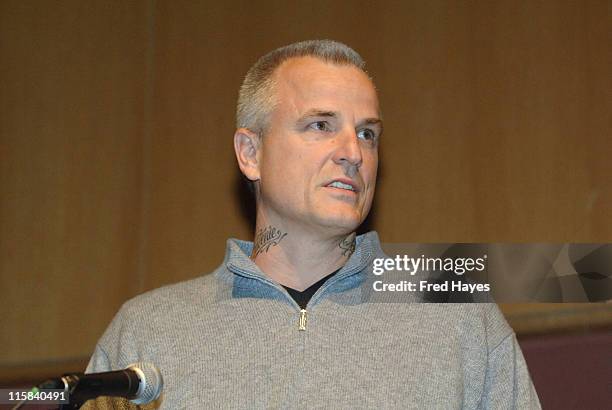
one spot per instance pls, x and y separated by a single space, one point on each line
319 155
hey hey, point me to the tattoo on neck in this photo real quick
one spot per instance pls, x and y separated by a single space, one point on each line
265 238
348 245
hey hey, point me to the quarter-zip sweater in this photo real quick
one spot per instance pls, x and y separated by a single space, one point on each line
237 339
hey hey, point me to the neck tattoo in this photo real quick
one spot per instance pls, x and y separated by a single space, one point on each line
348 245
265 238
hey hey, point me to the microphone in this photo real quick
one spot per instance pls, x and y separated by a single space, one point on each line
141 383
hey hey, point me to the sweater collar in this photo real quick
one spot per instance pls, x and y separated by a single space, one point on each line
238 262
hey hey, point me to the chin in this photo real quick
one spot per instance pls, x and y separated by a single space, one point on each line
342 222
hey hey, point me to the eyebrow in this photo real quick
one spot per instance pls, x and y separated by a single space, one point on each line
318 113
332 114
371 121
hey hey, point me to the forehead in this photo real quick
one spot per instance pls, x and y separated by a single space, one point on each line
304 83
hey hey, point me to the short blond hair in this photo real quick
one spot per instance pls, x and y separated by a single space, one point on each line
256 98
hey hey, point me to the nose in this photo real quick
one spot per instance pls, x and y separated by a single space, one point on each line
348 153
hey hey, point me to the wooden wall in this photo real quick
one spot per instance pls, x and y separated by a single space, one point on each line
117 172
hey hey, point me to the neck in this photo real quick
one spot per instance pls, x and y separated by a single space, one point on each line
297 258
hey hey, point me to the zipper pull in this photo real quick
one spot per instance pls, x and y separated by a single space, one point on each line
302 324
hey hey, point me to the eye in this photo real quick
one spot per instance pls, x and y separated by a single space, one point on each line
366 134
320 126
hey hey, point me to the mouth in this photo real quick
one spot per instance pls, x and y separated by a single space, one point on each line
345 185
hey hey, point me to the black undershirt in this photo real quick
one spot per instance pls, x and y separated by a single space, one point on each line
302 298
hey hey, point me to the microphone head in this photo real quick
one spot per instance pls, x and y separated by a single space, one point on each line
151 382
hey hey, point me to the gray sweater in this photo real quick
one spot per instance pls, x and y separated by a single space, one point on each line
232 339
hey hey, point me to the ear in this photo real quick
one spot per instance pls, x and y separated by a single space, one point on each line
247 146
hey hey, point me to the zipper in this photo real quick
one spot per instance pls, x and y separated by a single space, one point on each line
302 322
303 312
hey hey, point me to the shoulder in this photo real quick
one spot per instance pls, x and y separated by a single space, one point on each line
480 325
176 301
485 319
154 313
179 294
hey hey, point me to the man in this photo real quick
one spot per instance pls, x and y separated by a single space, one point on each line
287 321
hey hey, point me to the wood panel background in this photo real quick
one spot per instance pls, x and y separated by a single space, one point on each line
117 172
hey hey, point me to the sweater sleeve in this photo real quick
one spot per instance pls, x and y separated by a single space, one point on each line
112 353
507 381
99 361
